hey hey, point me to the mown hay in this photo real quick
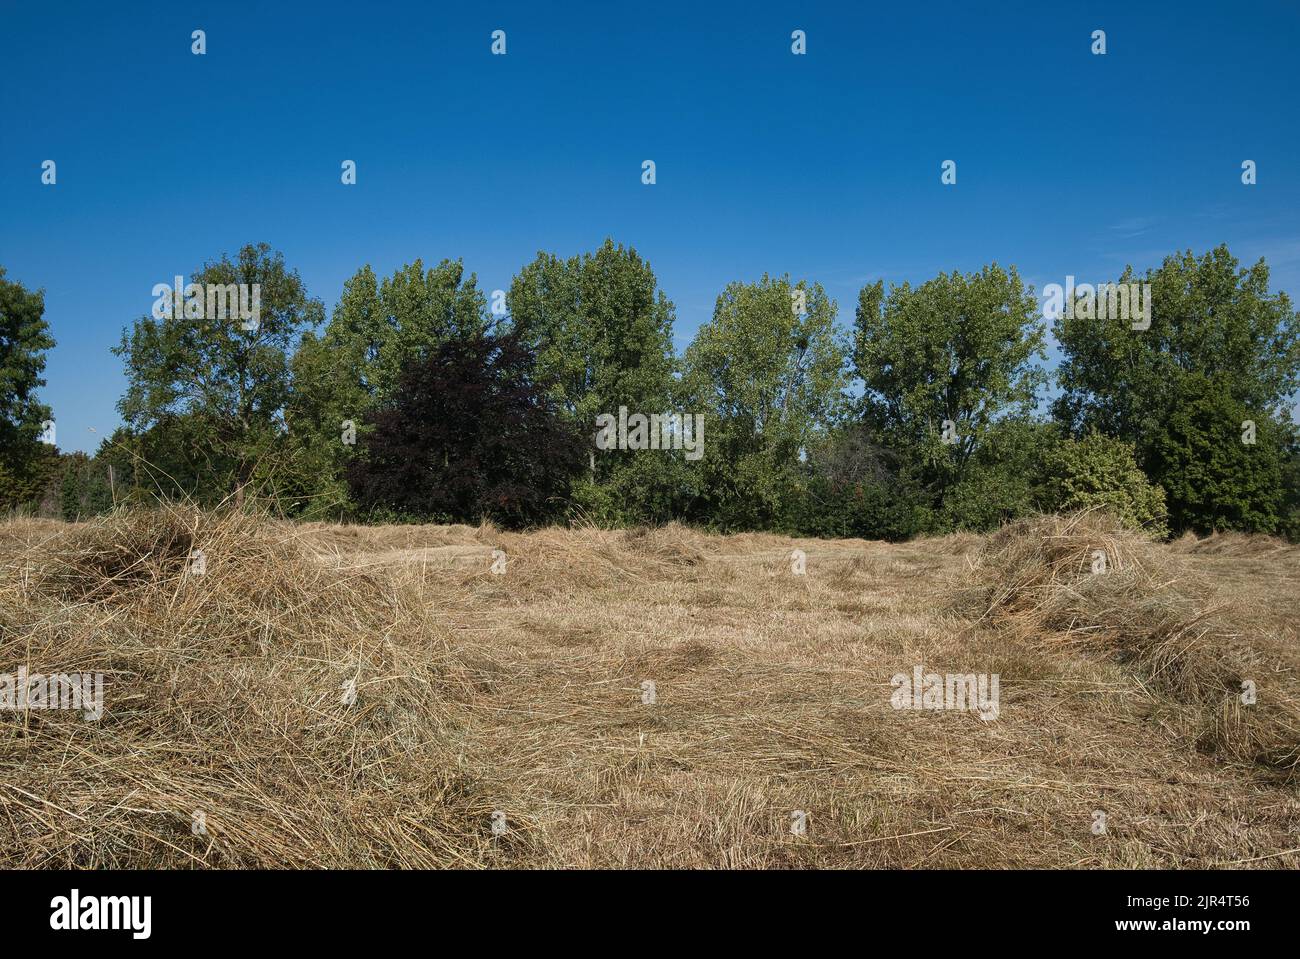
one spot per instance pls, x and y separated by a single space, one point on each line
1143 605
1235 544
226 738
522 691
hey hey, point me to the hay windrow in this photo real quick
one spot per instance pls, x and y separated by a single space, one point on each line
1238 544
1084 581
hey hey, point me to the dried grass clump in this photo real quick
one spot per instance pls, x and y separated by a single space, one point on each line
327 536
674 544
1035 579
556 561
1235 544
953 544
224 696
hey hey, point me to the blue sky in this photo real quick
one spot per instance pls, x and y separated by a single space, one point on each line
826 166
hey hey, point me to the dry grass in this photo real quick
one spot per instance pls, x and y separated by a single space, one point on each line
522 692
1181 638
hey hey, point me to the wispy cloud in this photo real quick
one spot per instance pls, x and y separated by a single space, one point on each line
1133 226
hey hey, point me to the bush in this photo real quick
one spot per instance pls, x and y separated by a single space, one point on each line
1100 472
870 508
1004 478
857 486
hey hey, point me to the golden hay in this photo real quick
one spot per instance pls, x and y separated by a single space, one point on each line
229 737
1236 544
224 705
1086 581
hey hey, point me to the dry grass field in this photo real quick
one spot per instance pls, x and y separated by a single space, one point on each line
229 737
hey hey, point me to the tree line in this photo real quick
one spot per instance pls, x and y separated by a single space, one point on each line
417 399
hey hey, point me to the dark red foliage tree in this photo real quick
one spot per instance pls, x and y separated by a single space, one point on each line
469 433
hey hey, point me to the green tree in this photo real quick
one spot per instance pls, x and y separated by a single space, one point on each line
1220 349
960 348
1005 477
84 488
1222 463
24 338
769 379
173 458
601 327
227 374
602 331
1290 523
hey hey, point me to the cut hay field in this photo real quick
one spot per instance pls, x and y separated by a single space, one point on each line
230 736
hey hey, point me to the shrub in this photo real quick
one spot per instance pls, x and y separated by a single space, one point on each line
1004 478
1100 472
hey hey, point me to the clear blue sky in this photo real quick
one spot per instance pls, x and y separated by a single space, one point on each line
825 165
